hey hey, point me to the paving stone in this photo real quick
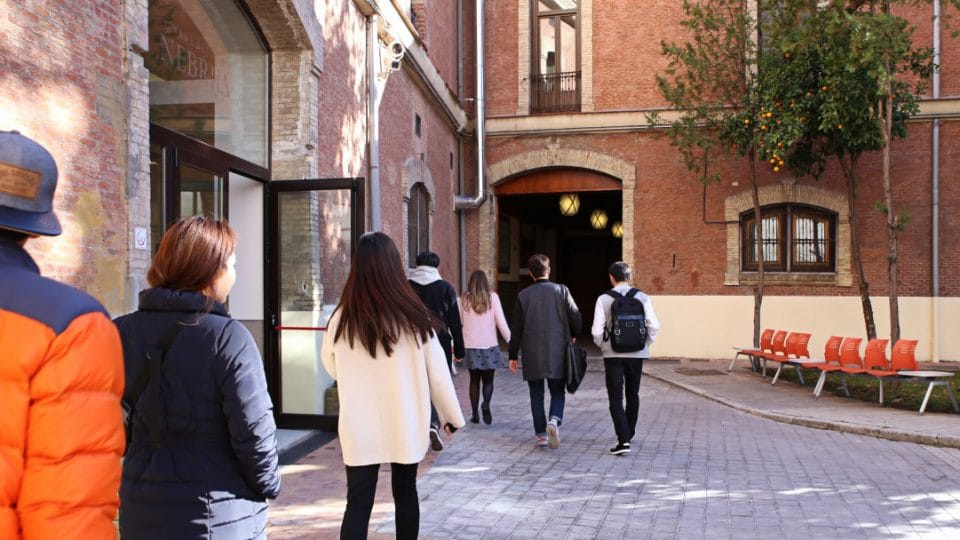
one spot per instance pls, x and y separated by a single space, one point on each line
699 469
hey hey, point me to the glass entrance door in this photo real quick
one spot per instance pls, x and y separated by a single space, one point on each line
312 232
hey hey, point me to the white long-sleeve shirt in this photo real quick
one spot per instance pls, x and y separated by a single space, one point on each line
601 318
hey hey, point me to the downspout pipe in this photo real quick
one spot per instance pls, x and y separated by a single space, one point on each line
461 218
373 119
464 202
935 189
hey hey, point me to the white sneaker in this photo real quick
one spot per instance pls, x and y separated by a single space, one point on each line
553 434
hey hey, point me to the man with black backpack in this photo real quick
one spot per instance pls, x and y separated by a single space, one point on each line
624 327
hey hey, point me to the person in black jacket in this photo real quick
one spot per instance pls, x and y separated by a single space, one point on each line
202 458
439 296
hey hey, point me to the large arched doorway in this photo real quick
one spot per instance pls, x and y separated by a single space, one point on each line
574 216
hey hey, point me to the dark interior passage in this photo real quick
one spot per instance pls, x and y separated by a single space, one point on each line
579 252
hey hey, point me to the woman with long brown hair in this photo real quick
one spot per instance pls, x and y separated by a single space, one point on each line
381 347
202 457
482 315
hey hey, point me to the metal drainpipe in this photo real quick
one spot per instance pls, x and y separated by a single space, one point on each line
461 218
464 202
373 120
935 189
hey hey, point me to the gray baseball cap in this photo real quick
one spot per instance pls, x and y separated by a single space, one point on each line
28 178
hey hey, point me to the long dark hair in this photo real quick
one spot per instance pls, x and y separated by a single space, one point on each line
378 304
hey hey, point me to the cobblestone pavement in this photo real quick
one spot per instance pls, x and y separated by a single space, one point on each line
698 469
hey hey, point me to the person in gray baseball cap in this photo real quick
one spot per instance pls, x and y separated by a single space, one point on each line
61 373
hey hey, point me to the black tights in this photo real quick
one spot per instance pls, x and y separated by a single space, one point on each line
477 375
361 491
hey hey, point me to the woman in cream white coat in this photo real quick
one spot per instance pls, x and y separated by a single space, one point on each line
381 346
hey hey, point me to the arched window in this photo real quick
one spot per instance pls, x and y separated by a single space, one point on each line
418 222
795 238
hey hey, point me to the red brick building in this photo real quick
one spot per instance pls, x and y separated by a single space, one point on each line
308 123
571 85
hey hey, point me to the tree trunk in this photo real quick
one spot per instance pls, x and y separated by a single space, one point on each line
849 172
893 224
758 222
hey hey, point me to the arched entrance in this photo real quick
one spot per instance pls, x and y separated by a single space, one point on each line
569 214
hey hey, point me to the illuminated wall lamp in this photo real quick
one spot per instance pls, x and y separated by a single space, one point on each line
617 229
569 204
598 219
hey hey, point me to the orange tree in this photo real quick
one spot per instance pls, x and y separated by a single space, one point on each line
834 88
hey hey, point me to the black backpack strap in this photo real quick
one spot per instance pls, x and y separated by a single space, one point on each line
152 371
613 293
632 292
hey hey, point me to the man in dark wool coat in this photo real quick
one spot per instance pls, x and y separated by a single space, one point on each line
544 319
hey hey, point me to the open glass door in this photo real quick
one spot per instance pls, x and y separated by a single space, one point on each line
313 228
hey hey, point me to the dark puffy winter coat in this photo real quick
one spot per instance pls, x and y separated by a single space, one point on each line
216 464
544 318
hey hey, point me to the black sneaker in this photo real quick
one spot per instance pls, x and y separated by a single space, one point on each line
487 416
620 449
436 443
474 419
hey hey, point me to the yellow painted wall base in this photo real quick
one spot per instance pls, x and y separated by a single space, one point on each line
708 326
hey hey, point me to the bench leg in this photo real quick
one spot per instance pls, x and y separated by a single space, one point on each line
799 374
926 397
729 369
817 388
843 379
881 389
777 374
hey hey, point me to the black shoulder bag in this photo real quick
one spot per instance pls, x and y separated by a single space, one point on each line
575 362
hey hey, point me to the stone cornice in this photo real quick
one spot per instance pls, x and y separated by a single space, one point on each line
623 121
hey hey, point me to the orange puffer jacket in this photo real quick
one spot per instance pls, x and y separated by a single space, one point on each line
61 426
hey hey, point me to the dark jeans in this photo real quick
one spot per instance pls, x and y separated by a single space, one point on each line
361 489
623 380
557 398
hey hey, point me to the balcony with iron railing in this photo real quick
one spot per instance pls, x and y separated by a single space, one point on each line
555 92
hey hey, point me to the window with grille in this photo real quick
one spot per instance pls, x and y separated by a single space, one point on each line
794 238
418 223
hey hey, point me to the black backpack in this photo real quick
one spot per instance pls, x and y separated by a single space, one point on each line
628 326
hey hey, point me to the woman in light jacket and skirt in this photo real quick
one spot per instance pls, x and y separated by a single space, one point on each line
482 315
381 347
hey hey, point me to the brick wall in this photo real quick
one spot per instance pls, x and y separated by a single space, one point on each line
667 203
342 104
62 84
669 221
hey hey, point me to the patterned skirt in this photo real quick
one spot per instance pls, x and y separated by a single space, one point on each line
490 358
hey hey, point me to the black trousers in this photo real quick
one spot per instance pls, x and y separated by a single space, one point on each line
623 381
361 490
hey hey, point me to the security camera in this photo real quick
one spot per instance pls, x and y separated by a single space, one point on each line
396 49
